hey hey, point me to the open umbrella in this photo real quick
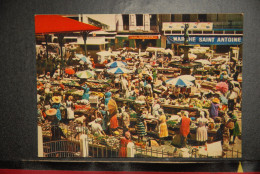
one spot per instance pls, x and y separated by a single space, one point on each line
187 77
119 70
69 71
222 87
85 74
179 82
116 64
56 24
86 60
112 107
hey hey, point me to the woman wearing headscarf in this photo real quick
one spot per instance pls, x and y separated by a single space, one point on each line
163 129
140 127
123 144
69 105
108 95
112 109
56 105
185 127
235 131
214 108
86 94
202 133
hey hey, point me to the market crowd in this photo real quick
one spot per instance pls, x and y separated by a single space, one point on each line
137 102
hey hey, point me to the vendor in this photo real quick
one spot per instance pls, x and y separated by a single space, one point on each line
86 92
113 111
123 144
184 127
202 132
214 108
125 120
56 105
104 115
140 128
96 128
108 95
163 129
69 105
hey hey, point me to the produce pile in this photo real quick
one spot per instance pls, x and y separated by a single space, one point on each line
110 141
96 85
171 123
99 94
75 92
70 83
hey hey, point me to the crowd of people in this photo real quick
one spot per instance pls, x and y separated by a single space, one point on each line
141 102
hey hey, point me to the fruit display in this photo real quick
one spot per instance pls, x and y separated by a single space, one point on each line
75 92
171 123
96 85
99 94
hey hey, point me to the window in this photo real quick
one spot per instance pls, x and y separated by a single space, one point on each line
126 21
139 20
172 17
202 18
185 18
153 20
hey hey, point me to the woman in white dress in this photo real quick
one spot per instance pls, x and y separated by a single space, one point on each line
202 132
70 112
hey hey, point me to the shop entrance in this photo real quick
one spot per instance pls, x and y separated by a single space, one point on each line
144 43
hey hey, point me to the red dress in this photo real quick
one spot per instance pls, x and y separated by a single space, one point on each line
185 126
114 122
123 147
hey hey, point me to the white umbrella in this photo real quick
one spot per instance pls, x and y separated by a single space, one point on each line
187 77
85 74
116 64
119 70
179 82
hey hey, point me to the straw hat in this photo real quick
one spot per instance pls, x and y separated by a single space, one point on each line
56 99
215 100
51 112
70 97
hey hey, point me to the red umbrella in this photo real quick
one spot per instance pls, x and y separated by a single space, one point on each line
69 71
56 24
49 24
222 87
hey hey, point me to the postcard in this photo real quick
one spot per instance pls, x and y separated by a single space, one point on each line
139 85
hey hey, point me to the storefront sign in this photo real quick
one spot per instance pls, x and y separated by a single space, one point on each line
203 40
143 37
179 26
